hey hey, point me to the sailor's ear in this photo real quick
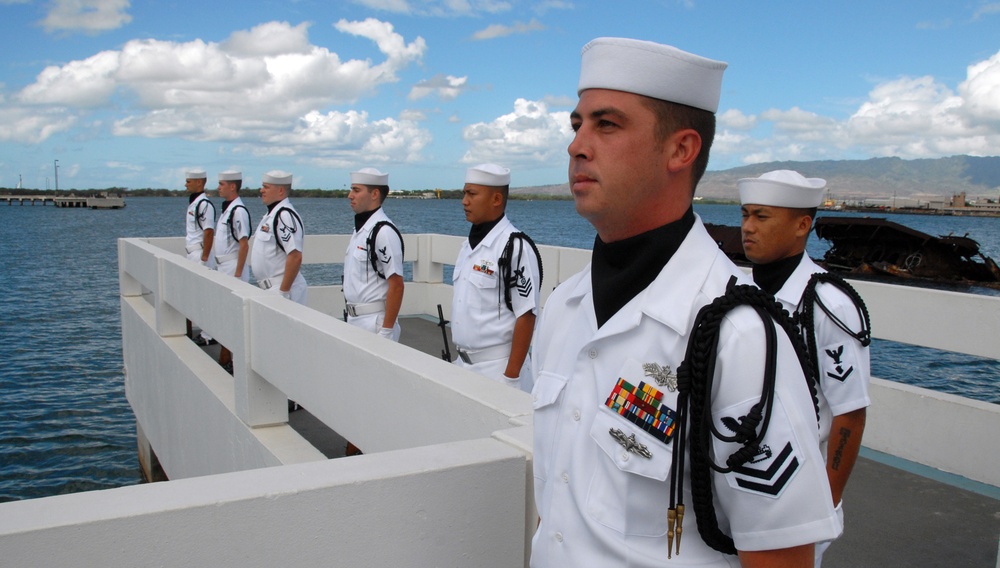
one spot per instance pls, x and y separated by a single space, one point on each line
804 226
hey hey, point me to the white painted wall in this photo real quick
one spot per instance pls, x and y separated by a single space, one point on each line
457 504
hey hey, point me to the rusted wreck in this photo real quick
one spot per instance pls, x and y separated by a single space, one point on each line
875 247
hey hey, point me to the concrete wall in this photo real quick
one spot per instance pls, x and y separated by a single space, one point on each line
458 504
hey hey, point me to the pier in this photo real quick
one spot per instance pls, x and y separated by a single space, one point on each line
102 201
446 477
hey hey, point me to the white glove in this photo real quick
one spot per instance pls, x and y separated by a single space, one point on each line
511 381
287 295
385 332
203 262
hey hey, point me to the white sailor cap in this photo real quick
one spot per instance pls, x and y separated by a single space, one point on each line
196 173
782 188
277 177
651 69
369 176
488 174
231 175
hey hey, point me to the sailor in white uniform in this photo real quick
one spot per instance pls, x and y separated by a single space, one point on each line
492 337
276 256
199 228
373 267
199 231
610 340
232 232
232 240
778 210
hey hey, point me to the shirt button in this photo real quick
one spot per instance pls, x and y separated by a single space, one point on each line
592 353
576 415
624 456
565 478
559 536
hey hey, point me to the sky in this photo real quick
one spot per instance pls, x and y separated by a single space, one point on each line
115 93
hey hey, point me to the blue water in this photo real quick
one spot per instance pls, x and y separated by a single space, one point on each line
65 425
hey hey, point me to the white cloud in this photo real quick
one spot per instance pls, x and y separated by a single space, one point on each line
736 120
908 117
255 85
447 88
437 8
342 139
981 92
32 125
987 10
271 38
529 136
86 83
497 30
124 166
395 6
89 16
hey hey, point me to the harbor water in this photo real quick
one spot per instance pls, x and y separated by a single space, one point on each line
65 425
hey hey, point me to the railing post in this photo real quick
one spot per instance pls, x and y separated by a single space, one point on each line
258 402
127 286
424 269
169 321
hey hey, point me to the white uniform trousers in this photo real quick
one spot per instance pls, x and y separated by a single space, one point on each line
494 370
229 267
373 322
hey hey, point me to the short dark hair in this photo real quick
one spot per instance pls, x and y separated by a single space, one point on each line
383 191
505 192
671 117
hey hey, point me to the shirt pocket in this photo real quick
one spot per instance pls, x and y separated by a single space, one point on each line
628 491
264 235
548 387
544 395
483 280
360 254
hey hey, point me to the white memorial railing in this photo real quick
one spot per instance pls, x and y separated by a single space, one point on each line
446 475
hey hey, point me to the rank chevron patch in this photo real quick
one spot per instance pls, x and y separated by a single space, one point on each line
522 283
771 480
835 366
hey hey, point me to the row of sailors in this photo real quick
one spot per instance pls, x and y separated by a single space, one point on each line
613 465
496 277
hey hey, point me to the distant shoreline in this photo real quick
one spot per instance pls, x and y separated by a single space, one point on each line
947 212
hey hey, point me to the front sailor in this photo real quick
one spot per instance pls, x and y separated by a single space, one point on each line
277 248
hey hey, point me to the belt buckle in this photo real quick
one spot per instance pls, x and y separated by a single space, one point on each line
352 310
265 284
464 356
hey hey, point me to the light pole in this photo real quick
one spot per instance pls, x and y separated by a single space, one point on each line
57 174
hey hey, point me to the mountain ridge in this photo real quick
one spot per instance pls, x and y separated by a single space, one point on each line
856 179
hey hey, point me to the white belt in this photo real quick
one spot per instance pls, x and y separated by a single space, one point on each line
226 258
357 310
473 356
194 248
268 283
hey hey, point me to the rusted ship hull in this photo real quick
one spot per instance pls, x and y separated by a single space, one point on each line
875 247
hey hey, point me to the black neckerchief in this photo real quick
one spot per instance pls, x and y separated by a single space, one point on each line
361 218
226 204
273 205
772 276
194 196
478 232
622 269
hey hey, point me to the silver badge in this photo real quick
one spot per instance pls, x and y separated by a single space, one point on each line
662 375
629 443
